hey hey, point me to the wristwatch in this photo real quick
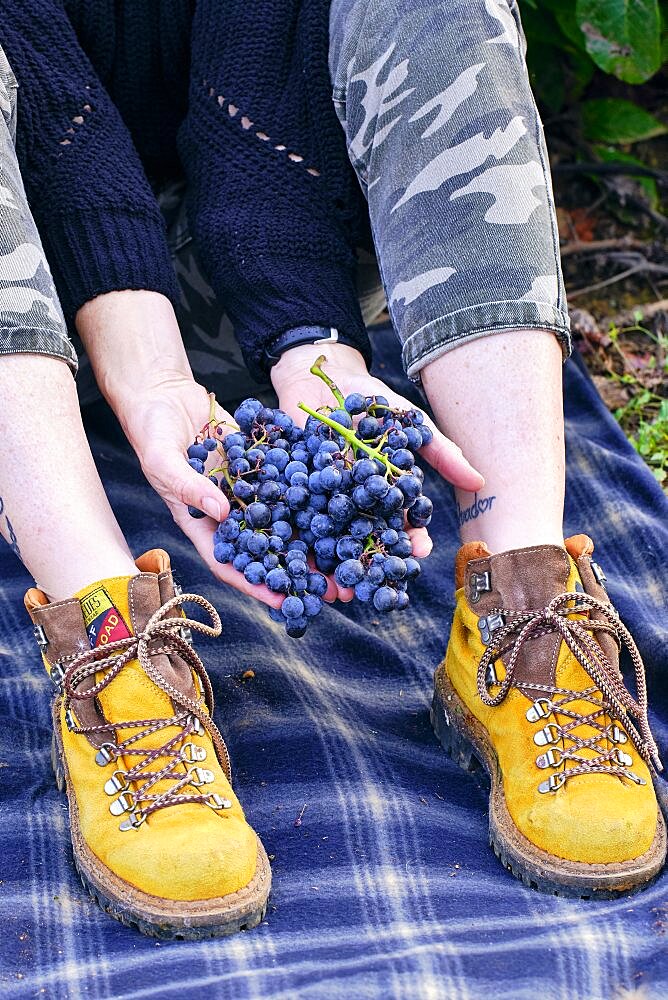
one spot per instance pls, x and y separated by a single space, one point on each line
304 335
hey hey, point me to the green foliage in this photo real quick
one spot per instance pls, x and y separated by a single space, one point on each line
612 119
623 37
644 419
650 414
569 39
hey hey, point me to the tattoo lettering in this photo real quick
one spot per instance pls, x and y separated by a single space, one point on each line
12 541
477 508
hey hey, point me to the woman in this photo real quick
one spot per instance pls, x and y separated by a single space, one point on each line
444 139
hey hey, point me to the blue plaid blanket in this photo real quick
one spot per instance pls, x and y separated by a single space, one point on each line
387 886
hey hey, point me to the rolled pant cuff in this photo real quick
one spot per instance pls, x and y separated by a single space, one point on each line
457 328
29 340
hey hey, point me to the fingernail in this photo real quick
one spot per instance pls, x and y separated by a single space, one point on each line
212 508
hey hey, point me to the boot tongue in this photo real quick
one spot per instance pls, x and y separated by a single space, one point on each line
521 580
110 612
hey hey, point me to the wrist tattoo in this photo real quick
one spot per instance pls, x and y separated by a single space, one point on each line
9 531
478 507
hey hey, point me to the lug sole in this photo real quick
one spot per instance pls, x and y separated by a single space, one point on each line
161 918
466 741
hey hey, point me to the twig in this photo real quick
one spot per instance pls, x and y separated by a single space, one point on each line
657 217
603 284
630 318
599 246
298 821
643 267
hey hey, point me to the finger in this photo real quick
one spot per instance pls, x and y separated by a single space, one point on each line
422 543
448 460
200 533
442 453
345 594
169 473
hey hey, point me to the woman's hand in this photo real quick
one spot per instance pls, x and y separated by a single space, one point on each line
346 367
135 347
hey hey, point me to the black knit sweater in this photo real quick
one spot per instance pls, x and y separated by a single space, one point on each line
117 97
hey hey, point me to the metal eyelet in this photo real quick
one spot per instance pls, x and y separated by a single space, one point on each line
106 753
196 754
599 575
488 625
549 734
202 776
70 720
618 735
197 726
553 783
124 803
635 778
218 802
56 673
490 676
132 822
479 583
625 759
541 708
186 633
116 784
40 637
551 758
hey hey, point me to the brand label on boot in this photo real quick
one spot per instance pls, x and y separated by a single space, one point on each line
103 621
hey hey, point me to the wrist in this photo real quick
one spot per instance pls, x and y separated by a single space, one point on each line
297 361
133 341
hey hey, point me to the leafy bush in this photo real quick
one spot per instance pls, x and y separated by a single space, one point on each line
568 40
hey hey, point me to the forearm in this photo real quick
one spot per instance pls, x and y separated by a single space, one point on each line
134 343
55 504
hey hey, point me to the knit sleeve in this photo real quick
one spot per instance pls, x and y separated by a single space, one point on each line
98 218
263 153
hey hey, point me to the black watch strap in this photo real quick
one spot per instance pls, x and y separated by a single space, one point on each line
304 335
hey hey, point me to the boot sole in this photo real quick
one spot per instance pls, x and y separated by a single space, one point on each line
161 918
467 743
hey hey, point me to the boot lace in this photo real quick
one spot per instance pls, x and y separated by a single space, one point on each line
611 701
172 760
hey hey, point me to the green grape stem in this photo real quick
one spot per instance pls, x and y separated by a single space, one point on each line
316 369
349 436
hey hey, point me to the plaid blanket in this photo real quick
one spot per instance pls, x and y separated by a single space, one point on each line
384 884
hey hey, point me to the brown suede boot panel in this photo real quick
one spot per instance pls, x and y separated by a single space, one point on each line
581 548
146 596
591 585
67 637
523 579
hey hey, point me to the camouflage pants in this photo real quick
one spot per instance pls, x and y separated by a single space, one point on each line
31 320
443 132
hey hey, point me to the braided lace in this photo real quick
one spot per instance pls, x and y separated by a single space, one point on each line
608 696
170 761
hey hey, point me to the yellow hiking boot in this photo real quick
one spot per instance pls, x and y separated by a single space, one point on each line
159 837
530 687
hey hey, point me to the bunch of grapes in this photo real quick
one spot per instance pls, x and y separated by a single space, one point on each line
335 495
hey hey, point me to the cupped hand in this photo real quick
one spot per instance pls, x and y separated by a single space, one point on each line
162 424
294 383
